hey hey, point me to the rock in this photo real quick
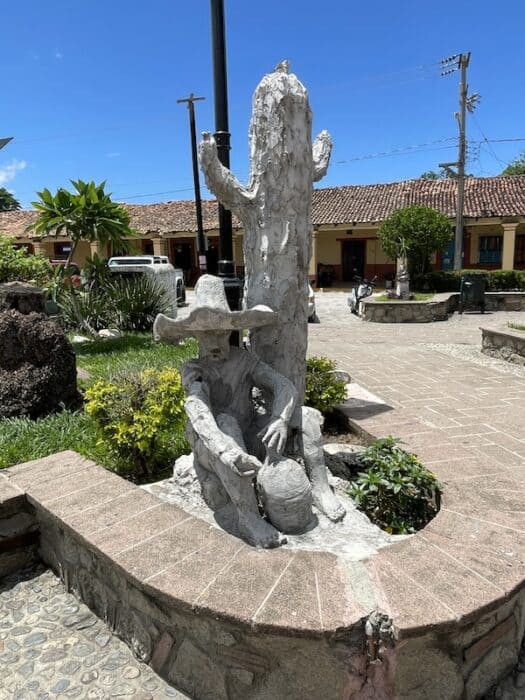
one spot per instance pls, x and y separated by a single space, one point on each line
79 339
341 376
22 297
37 366
83 374
109 333
343 460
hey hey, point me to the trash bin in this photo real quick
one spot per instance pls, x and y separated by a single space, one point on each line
472 292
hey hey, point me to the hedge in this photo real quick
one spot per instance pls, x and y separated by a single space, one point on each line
449 280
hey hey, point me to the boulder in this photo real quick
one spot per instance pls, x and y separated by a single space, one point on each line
342 459
22 297
37 366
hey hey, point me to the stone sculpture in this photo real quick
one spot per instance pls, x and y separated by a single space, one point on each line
228 435
275 209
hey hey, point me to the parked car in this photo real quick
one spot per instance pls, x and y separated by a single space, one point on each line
158 266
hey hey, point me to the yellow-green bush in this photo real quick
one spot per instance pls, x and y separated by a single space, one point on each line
323 389
141 419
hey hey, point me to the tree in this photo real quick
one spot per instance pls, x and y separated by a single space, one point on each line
8 201
416 232
433 175
516 166
87 213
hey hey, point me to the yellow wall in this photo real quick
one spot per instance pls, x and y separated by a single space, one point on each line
329 246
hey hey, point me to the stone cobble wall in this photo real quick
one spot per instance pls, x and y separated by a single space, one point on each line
505 344
406 311
18 532
437 309
208 658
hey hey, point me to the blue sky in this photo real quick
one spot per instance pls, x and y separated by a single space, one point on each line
89 89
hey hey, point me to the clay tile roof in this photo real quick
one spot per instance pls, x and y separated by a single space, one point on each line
484 197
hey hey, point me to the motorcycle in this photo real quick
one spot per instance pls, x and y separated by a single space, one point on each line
362 288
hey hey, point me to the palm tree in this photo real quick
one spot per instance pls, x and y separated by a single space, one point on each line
7 201
87 213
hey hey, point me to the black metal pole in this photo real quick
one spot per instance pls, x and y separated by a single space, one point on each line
222 138
201 238
222 131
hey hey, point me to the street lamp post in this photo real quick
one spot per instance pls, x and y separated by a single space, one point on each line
4 142
222 139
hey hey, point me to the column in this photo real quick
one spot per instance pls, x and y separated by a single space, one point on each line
39 247
509 244
94 248
160 246
312 270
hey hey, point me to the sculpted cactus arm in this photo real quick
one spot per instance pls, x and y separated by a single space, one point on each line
221 181
321 150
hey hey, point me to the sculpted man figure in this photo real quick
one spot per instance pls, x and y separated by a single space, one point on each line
228 436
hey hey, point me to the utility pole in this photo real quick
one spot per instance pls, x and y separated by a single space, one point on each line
458 242
222 139
202 241
450 65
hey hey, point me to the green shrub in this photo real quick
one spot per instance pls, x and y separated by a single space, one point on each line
396 491
506 280
323 389
18 264
141 420
449 281
129 304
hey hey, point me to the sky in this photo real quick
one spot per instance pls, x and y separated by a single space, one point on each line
90 89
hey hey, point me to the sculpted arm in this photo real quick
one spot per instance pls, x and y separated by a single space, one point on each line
220 180
283 406
321 151
214 440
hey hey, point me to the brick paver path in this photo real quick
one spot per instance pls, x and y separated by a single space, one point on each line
452 405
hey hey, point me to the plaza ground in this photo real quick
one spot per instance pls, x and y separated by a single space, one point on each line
462 412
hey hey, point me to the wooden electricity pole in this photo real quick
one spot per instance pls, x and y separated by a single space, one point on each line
202 241
461 62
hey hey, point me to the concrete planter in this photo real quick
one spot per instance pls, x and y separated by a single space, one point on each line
504 343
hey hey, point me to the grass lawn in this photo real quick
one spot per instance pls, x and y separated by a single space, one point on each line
22 439
417 296
517 326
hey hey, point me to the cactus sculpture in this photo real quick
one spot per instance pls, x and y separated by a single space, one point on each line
275 211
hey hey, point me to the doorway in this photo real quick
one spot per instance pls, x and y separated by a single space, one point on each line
353 259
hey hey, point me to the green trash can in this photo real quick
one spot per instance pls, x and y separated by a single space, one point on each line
472 293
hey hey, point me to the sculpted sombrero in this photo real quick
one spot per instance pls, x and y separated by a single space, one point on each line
211 313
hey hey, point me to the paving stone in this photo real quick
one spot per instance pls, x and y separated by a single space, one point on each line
66 662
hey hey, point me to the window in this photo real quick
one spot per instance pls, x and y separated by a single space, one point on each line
62 250
519 257
490 249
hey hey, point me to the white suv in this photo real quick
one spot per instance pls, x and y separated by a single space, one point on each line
157 265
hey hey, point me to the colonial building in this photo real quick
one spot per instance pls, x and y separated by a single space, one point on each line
345 224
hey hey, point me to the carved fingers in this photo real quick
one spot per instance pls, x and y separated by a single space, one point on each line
321 150
276 435
241 463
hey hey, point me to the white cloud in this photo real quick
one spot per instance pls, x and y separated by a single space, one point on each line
112 154
59 55
9 172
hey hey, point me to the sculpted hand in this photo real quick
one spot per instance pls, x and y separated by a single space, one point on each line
276 435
